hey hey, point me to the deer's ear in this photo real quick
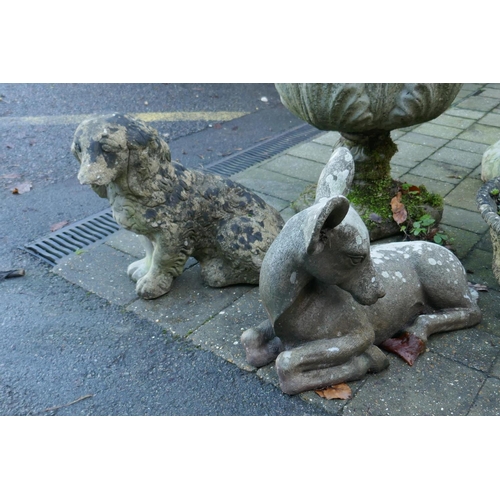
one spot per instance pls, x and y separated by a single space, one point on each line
324 215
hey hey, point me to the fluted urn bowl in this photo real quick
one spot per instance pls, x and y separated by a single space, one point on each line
358 108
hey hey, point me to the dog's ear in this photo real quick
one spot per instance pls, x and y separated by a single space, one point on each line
138 137
323 216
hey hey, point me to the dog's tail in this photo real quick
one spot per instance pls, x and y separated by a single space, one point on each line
336 178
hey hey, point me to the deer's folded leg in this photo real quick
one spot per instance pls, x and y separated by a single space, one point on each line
322 363
261 344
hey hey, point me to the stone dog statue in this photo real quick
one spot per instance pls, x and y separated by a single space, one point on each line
331 300
181 212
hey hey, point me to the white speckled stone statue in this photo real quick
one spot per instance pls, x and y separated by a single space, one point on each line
180 212
332 300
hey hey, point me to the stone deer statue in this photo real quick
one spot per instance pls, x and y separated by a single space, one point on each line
332 300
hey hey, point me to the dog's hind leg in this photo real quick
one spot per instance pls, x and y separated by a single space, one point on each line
218 272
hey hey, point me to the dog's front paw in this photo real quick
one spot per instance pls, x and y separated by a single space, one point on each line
153 286
138 269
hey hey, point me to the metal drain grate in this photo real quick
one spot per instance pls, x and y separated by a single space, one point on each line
263 151
82 234
96 228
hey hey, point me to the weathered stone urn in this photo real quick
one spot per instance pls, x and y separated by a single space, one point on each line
365 114
487 203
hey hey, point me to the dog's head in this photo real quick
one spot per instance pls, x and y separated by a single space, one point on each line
105 145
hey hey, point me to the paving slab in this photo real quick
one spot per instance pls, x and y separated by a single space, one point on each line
274 202
300 168
412 152
312 151
464 195
485 242
470 146
463 219
441 131
453 121
85 269
492 119
488 302
479 103
328 139
434 385
487 402
461 240
495 93
457 158
222 333
481 133
495 371
465 113
127 242
478 263
189 304
397 171
474 348
424 140
441 171
271 183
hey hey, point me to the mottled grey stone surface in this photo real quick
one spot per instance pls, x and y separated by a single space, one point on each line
180 212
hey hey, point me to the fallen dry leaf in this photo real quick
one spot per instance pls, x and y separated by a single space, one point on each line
399 213
339 391
24 187
59 225
406 346
14 273
414 189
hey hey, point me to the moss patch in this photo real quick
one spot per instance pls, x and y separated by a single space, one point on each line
373 201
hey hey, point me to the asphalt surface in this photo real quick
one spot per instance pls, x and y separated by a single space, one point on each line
64 351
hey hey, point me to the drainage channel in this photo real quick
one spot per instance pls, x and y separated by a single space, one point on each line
82 234
97 228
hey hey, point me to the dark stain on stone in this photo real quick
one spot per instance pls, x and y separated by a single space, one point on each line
151 213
